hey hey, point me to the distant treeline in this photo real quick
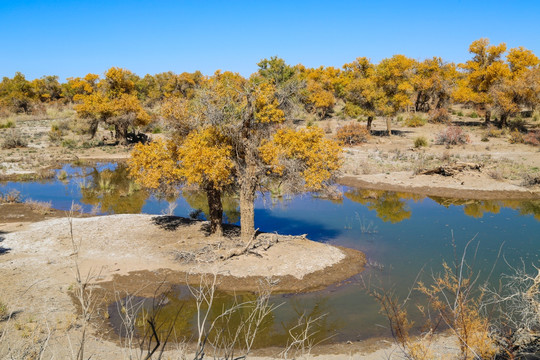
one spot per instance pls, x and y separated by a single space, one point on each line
494 81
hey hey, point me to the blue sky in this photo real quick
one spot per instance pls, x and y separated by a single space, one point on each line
73 38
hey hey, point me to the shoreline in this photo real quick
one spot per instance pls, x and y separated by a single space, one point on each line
378 182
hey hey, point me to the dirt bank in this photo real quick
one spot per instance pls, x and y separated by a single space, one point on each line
468 185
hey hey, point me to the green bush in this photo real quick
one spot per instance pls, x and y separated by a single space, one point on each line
474 115
4 311
415 121
420 141
7 125
69 143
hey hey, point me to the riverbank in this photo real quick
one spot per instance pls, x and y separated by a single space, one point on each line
140 254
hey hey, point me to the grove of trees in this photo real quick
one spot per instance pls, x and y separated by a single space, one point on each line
232 134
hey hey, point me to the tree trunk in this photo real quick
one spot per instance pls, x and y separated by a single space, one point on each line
504 118
215 210
247 211
389 125
248 187
369 121
120 134
488 116
418 102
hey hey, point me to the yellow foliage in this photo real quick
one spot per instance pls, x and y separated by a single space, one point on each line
521 59
320 158
205 158
154 164
266 105
484 70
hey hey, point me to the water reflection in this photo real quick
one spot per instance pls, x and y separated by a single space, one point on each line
393 206
112 190
389 206
231 204
401 232
175 315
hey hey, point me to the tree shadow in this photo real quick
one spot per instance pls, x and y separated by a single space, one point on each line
470 123
171 223
394 132
3 250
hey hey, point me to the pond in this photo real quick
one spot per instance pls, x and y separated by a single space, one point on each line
401 235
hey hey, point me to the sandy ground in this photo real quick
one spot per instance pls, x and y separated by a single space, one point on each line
37 268
393 163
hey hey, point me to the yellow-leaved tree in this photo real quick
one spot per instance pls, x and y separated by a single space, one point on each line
393 78
362 95
520 86
224 136
202 159
114 103
483 71
433 82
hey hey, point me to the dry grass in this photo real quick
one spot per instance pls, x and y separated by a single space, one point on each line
40 207
11 197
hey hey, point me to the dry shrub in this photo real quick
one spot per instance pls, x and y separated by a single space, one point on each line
515 137
4 311
518 124
518 324
415 121
352 134
13 139
452 297
11 197
452 135
492 132
532 138
400 326
40 207
530 179
439 116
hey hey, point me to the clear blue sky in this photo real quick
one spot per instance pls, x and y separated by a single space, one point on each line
73 38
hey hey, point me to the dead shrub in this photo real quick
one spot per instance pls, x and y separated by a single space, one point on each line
452 135
13 139
516 137
532 138
40 207
352 134
439 116
11 197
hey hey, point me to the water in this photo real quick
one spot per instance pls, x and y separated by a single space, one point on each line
404 236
